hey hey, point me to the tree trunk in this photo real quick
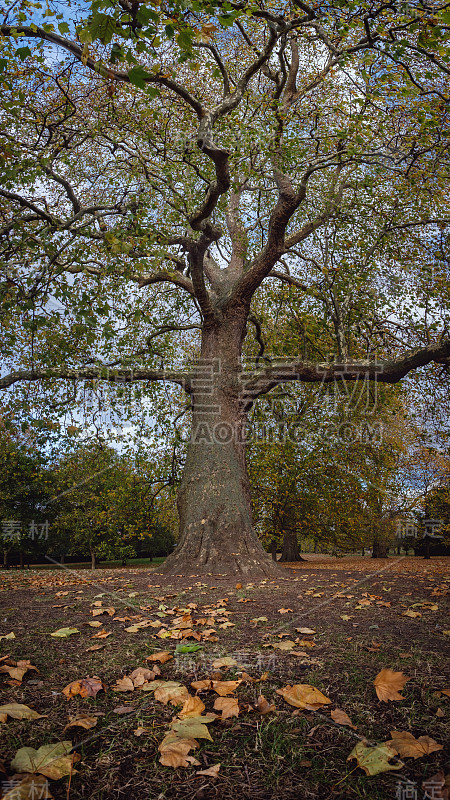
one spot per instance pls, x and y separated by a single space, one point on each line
379 549
273 550
216 530
61 560
291 550
5 559
21 564
93 559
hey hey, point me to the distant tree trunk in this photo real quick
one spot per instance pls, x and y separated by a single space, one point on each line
427 548
273 550
291 550
21 564
379 549
61 560
93 559
5 559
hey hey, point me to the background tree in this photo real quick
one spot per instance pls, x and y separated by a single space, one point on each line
176 161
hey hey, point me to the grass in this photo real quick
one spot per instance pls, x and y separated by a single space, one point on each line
289 753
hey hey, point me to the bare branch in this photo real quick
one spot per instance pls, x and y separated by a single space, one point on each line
383 371
116 375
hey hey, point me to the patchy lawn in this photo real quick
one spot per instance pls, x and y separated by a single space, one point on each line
364 621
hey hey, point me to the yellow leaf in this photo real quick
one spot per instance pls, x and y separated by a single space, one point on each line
302 695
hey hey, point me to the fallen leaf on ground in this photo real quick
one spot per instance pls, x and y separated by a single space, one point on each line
28 787
172 692
18 669
140 730
63 633
305 630
162 656
339 716
94 647
229 706
227 661
287 644
51 760
221 687
193 727
436 787
263 705
407 746
18 711
124 684
193 707
124 709
85 687
95 623
388 685
211 772
82 722
174 750
374 760
302 695
106 610
284 610
11 635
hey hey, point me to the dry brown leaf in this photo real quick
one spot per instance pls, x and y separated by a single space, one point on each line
263 705
436 787
82 722
284 610
28 786
221 687
339 716
162 656
193 707
101 635
18 669
174 750
229 706
85 687
211 772
227 661
95 623
388 685
305 630
103 610
124 710
94 647
124 684
302 695
140 730
407 746
174 694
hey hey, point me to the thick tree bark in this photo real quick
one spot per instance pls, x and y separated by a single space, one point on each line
93 559
216 528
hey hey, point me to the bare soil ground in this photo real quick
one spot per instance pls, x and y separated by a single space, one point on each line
355 606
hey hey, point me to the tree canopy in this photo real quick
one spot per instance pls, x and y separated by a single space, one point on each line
184 169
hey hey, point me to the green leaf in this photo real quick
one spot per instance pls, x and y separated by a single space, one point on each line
138 77
188 648
23 52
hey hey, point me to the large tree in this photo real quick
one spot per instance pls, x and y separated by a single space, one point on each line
163 165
